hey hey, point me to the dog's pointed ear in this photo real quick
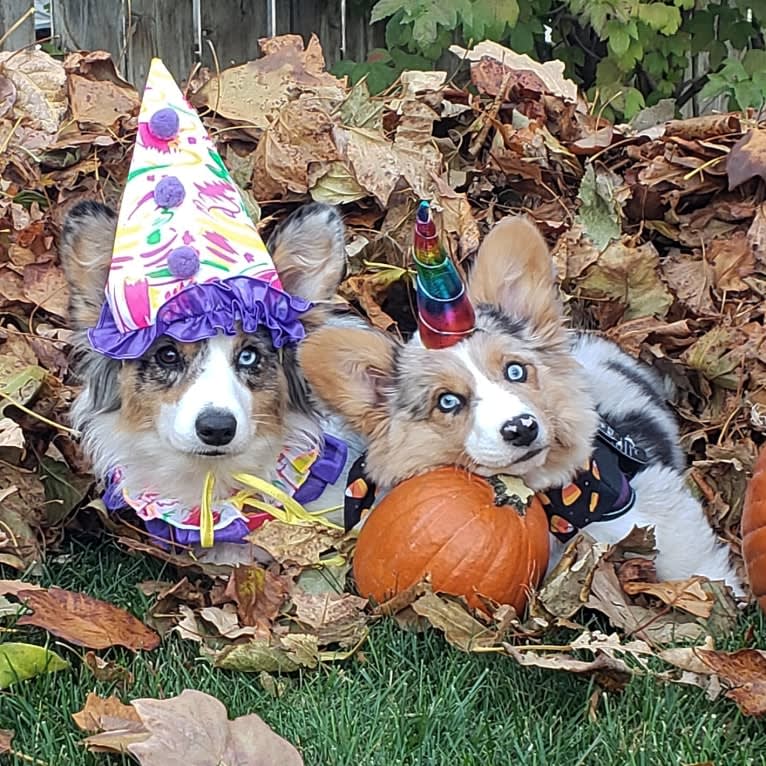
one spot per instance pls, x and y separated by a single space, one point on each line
514 271
351 370
85 250
309 252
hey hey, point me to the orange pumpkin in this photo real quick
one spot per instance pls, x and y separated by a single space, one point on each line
754 530
472 536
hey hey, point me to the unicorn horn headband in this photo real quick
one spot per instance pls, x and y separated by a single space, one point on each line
187 260
445 314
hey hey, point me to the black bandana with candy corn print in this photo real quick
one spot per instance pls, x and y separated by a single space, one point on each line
360 493
601 491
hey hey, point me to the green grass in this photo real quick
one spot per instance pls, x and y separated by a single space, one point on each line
409 699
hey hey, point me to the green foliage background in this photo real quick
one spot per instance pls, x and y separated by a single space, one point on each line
625 54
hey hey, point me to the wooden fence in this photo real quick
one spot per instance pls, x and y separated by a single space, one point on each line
184 32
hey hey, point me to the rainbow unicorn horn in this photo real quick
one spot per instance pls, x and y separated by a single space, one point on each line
445 314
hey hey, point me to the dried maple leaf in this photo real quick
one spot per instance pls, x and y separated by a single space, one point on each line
371 290
547 77
747 158
744 673
300 135
299 544
565 589
259 595
379 165
96 709
756 236
40 81
733 259
226 621
254 91
22 511
686 595
629 275
97 94
335 618
451 616
286 655
193 729
599 212
85 621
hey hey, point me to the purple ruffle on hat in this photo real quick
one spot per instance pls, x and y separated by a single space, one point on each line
203 310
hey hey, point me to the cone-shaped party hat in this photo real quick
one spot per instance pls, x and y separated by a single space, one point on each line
445 314
187 259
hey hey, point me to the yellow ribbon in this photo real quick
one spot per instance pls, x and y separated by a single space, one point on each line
206 535
291 512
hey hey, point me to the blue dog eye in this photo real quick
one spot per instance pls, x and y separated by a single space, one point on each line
450 403
515 372
248 357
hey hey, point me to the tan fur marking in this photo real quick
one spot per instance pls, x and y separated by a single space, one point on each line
348 369
514 271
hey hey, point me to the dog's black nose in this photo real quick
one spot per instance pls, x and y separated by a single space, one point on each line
215 427
520 431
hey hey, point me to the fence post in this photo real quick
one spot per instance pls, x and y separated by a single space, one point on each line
11 12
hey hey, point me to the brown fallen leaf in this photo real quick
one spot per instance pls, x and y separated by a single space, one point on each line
733 259
45 286
380 165
193 729
96 709
452 618
286 655
258 594
371 291
747 158
744 672
110 671
225 619
549 76
565 589
39 81
335 618
629 275
7 95
686 595
6 735
608 672
97 94
254 91
299 544
756 236
84 620
301 135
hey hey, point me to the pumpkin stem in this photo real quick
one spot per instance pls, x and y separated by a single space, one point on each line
512 492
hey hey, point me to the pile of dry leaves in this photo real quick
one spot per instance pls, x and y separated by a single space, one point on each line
659 232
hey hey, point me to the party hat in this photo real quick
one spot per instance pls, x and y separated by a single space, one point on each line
445 314
187 259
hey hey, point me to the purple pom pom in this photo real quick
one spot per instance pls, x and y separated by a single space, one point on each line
183 262
169 192
164 124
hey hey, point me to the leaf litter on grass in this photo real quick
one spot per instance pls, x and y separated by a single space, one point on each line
659 236
192 729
